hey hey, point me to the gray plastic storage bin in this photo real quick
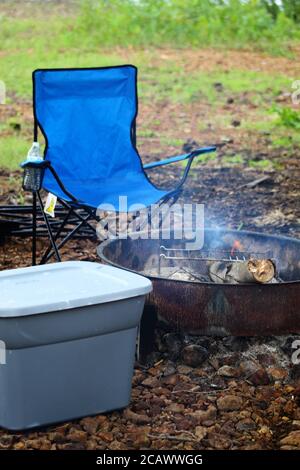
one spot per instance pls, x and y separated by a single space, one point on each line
70 334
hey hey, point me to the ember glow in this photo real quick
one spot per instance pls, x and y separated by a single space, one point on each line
237 246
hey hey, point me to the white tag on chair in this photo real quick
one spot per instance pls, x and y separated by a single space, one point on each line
50 204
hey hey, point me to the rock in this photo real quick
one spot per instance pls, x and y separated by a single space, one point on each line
214 362
135 417
138 440
57 437
266 359
199 372
173 344
246 424
292 439
170 369
105 436
152 358
155 370
278 373
141 406
200 432
150 382
90 425
71 446
248 367
137 378
183 424
219 442
252 446
205 342
155 410
92 444
228 371
184 370
236 343
77 436
6 441
205 416
230 359
170 380
295 372
194 355
45 444
176 408
287 448
101 420
297 413
116 445
265 432
218 86
260 377
218 383
38 444
19 445
229 403
162 392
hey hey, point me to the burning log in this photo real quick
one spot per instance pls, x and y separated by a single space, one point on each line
236 272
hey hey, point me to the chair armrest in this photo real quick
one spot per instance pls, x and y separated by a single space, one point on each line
43 164
179 158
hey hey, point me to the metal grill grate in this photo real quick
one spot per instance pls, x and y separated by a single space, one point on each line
168 258
210 255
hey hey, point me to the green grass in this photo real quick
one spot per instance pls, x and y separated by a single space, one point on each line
281 123
233 159
264 164
78 41
191 23
84 39
203 159
13 150
173 83
287 117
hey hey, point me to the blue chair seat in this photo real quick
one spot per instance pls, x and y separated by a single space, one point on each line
91 193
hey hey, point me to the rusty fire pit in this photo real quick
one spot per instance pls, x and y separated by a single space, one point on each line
186 299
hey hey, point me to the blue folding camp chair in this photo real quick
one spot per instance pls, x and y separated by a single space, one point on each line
88 119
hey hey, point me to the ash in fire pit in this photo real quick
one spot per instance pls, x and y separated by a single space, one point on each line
185 296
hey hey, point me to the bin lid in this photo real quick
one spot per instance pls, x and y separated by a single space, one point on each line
61 286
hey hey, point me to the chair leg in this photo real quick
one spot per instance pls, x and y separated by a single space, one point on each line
171 201
67 237
52 240
61 227
34 228
80 217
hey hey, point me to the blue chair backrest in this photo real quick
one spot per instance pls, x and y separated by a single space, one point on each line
87 117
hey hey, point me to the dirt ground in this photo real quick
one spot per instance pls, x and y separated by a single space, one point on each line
196 393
